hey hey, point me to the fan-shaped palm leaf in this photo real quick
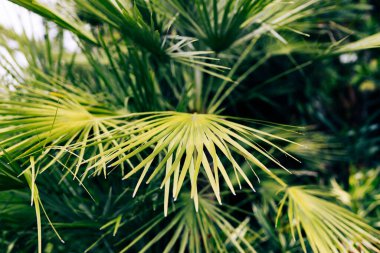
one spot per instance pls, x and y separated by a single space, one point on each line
43 118
327 226
208 229
190 144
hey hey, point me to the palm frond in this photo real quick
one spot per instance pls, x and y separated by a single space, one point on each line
327 226
128 19
217 23
65 21
191 144
370 42
208 229
144 100
10 171
40 118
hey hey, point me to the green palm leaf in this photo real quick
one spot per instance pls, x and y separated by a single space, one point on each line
191 144
45 118
64 21
327 226
208 229
372 41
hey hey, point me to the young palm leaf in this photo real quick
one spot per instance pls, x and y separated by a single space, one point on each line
191 144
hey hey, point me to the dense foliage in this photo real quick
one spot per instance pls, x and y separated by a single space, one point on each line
192 126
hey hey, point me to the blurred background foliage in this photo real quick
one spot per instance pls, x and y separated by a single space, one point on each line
304 81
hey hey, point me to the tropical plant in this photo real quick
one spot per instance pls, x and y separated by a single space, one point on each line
183 95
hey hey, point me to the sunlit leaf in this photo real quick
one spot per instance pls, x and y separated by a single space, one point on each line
328 227
192 145
45 118
369 42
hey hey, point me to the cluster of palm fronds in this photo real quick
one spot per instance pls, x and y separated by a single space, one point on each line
164 93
